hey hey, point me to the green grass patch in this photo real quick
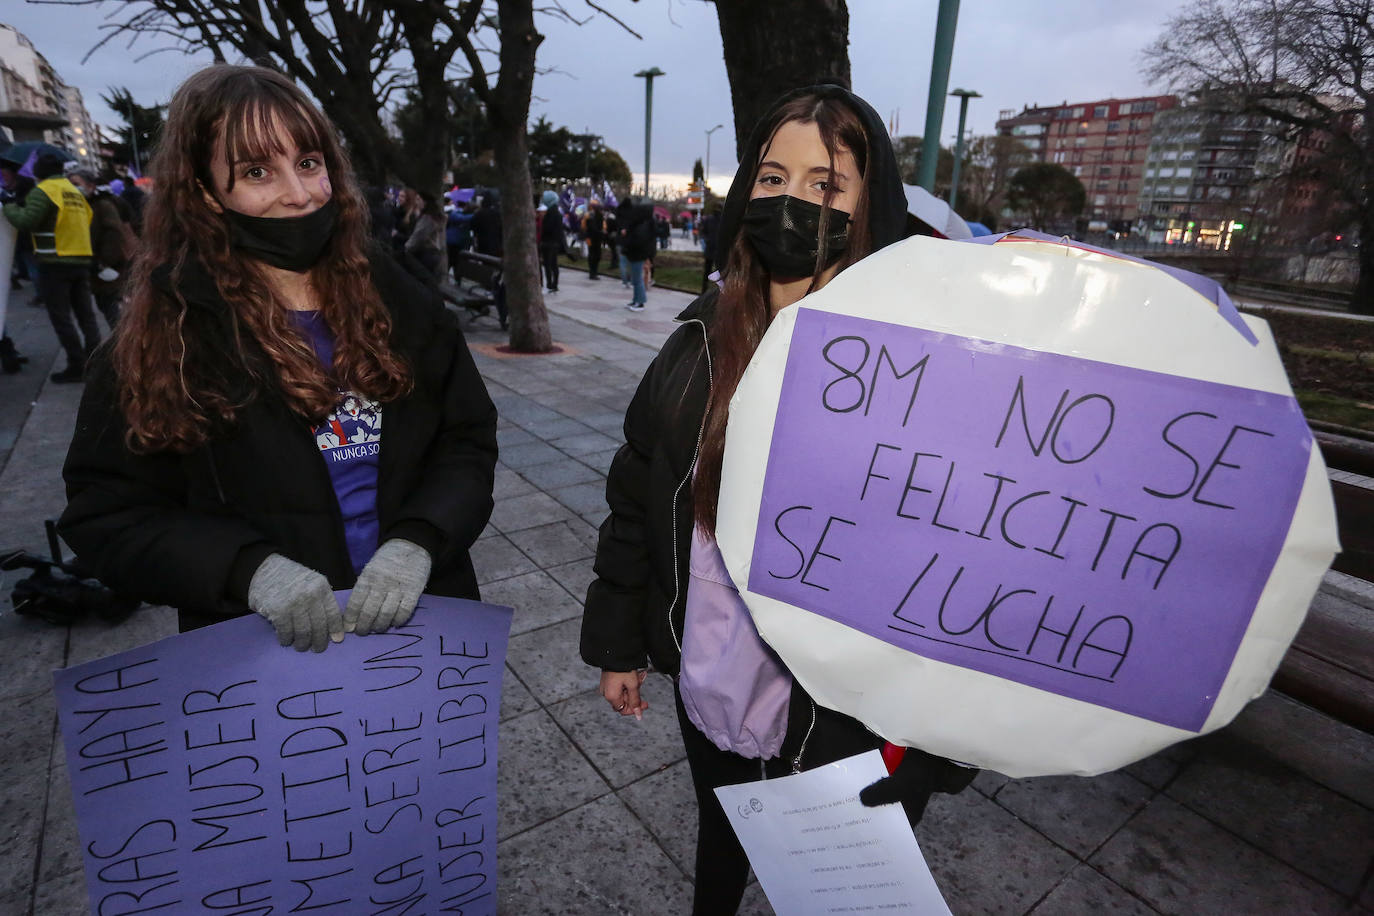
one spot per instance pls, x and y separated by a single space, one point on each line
1330 408
676 270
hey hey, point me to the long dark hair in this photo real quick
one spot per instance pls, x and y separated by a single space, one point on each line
173 382
743 310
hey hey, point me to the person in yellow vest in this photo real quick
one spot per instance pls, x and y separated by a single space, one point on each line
58 217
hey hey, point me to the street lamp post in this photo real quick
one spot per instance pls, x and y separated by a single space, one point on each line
945 21
963 95
648 76
706 172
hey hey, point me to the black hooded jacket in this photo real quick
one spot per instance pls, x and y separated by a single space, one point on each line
189 530
634 610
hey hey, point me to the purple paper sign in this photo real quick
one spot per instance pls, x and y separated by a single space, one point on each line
216 771
1099 532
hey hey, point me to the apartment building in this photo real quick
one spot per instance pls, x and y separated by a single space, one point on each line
1205 174
36 104
1103 143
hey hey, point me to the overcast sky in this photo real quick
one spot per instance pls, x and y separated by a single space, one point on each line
1015 52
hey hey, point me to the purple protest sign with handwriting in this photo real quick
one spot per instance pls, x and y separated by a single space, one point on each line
1096 531
215 771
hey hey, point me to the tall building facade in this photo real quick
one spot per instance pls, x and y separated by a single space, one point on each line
1205 176
35 103
1103 143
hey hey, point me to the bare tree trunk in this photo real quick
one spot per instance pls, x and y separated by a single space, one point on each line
774 47
508 113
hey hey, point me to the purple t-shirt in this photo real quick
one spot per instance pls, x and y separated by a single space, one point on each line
350 440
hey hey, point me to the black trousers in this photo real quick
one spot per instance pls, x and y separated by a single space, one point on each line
593 258
722 868
66 293
548 253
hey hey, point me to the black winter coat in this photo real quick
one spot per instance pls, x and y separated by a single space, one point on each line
645 543
189 530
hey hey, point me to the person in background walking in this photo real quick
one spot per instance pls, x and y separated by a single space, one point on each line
58 219
486 239
408 209
710 225
635 224
230 454
664 230
457 231
817 190
614 258
594 227
551 239
424 248
112 243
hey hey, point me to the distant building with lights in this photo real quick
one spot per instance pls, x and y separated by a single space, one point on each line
1102 143
35 103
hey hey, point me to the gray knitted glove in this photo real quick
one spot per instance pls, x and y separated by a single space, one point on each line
298 601
388 588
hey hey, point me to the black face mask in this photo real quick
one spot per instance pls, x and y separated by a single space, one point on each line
290 242
785 230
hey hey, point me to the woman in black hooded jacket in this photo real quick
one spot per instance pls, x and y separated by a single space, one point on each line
817 190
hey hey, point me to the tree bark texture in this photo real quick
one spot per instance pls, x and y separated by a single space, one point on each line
776 46
508 112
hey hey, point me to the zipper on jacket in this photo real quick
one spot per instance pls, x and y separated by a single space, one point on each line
691 469
797 760
214 474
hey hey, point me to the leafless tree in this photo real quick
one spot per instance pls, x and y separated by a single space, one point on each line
1308 64
360 58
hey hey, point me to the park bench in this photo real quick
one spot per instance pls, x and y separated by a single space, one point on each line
479 276
1330 665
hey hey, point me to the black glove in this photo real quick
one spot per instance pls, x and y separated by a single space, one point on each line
916 778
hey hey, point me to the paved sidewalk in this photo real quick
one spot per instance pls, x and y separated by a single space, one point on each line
1274 814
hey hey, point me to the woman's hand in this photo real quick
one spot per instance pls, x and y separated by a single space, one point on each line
621 690
298 601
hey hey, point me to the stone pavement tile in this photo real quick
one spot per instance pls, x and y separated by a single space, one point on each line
26 731
1334 754
1087 891
1179 862
537 452
984 859
515 698
594 519
1282 812
599 461
537 598
610 422
546 660
61 849
1158 770
559 472
561 428
29 652
509 483
554 545
990 782
528 511
92 639
512 436
755 902
622 748
18 902
1078 813
522 411
595 860
65 894
583 498
21 825
665 802
575 577
585 443
540 775
495 558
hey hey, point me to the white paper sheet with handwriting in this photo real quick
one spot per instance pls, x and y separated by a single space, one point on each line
816 849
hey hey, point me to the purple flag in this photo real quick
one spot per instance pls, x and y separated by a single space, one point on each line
217 771
1091 530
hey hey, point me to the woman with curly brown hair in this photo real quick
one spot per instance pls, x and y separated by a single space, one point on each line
229 453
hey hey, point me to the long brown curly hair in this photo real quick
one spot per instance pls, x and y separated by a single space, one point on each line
743 308
182 369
